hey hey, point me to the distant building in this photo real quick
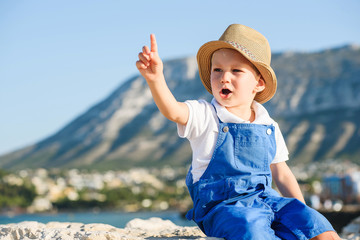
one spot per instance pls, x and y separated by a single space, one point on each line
342 187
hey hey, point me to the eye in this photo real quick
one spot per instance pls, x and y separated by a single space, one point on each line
236 70
217 70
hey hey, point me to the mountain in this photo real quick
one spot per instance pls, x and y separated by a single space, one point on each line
317 105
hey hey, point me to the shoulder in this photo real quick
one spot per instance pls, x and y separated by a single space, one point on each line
262 115
202 118
201 109
200 104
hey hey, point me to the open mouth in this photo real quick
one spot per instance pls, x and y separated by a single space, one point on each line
225 92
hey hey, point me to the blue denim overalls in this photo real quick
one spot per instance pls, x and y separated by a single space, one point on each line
233 199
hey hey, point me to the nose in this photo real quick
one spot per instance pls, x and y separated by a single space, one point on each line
225 78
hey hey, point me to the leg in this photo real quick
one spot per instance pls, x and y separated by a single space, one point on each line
330 235
234 222
302 221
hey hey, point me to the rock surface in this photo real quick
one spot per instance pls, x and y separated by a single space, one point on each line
352 230
137 229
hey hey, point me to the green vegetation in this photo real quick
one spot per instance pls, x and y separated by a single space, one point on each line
16 196
128 198
51 190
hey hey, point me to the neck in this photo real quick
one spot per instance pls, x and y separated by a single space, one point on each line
245 113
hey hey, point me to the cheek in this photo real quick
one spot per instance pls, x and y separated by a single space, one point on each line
244 87
212 80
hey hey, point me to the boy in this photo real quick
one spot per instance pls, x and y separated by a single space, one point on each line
237 148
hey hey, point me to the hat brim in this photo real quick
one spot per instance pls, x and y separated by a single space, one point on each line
204 56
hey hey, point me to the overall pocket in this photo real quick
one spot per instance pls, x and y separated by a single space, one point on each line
250 152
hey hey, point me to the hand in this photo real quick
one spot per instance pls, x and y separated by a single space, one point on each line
149 64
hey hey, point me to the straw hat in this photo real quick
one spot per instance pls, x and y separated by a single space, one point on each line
252 45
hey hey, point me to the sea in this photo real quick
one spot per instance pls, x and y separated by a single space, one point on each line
114 218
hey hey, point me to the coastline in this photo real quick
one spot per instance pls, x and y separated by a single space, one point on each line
116 218
136 229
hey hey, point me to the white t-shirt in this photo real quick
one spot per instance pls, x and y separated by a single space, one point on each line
202 130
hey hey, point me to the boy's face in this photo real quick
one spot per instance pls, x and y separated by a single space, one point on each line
234 80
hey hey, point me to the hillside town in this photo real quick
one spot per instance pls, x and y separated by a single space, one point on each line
132 190
327 186
330 185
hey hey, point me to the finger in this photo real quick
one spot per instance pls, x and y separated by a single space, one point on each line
140 65
153 43
146 50
144 58
144 53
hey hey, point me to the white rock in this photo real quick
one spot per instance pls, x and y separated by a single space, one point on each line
153 224
352 230
136 229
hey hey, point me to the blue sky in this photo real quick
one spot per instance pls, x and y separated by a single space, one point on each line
58 58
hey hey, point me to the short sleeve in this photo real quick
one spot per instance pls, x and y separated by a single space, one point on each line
282 153
183 130
201 115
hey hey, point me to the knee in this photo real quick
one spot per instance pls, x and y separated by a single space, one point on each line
329 235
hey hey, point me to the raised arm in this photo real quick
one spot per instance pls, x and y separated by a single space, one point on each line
151 68
286 181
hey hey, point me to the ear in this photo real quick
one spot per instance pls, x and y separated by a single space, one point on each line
260 85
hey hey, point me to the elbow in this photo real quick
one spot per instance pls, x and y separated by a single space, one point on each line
178 115
176 119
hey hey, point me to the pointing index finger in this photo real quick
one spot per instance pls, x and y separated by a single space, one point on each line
153 43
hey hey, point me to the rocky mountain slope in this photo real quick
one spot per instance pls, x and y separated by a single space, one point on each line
317 105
